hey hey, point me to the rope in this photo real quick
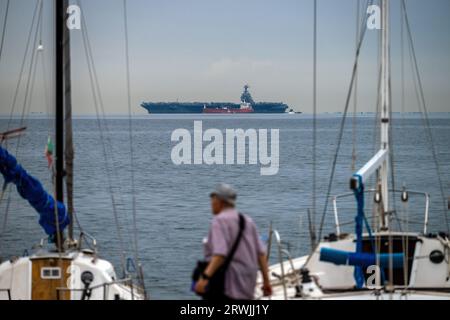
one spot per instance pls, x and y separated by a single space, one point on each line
341 130
2 41
45 80
127 57
405 211
340 135
424 110
97 99
101 115
31 77
37 9
375 142
5 22
405 216
98 102
314 151
5 217
22 68
29 88
355 97
392 164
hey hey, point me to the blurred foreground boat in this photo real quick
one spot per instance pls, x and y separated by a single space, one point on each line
70 271
377 264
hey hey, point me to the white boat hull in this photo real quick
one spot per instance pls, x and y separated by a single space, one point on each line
426 279
48 276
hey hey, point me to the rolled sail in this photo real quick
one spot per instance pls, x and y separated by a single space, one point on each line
32 190
361 259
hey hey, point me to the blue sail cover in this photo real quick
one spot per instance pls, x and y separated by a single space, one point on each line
31 189
359 259
359 220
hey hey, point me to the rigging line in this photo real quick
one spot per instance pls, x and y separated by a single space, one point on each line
402 54
5 217
27 106
314 153
425 113
392 150
405 211
392 172
127 57
341 131
77 221
391 140
386 51
30 78
103 125
339 138
96 86
80 228
405 207
355 96
34 51
44 75
391 160
402 66
376 131
377 118
22 68
405 216
46 98
113 200
5 23
103 120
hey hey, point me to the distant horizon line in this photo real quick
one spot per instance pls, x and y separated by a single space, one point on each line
42 115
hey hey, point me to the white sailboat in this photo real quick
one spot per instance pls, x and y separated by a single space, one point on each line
70 271
377 264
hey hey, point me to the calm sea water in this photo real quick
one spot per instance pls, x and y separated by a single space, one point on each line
172 202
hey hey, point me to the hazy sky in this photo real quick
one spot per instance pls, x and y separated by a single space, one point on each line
206 50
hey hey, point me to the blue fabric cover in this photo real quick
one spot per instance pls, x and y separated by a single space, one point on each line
361 260
31 189
359 220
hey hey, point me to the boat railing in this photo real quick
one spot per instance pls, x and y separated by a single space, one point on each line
404 197
281 254
86 236
103 286
8 292
77 244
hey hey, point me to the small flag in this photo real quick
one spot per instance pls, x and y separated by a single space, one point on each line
49 152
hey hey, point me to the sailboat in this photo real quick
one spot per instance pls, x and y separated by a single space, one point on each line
69 271
380 263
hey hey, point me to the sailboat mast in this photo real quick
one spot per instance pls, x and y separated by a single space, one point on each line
69 150
385 109
59 100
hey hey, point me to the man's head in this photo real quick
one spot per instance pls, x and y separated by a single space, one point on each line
222 197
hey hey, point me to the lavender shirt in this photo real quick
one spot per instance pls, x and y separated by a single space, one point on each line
240 278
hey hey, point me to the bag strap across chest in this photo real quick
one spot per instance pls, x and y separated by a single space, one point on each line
236 242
